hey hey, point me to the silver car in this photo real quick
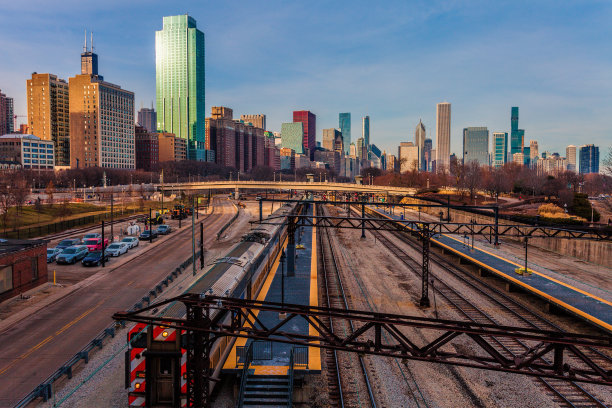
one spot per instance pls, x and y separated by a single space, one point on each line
117 248
132 242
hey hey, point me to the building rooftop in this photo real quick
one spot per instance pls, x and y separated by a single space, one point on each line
8 246
19 136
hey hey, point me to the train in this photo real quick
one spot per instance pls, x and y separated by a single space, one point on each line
155 361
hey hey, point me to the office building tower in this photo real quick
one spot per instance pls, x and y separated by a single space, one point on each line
332 140
527 155
361 149
589 159
500 149
309 121
476 145
171 148
147 118
179 63
49 113
365 133
551 165
419 140
292 136
259 121
443 126
570 154
146 148
10 115
89 60
427 158
344 122
6 114
518 158
408 154
391 163
517 136
533 151
101 121
375 151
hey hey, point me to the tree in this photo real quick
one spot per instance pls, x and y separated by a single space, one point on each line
6 201
496 183
64 209
472 179
49 191
607 163
20 191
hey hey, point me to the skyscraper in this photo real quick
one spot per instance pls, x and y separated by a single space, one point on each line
6 114
419 138
476 145
365 133
408 154
309 121
344 123
427 156
500 148
179 61
517 136
570 154
589 159
101 120
292 136
534 152
443 119
332 138
48 113
147 118
259 121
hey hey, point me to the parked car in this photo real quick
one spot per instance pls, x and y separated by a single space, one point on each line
52 253
131 241
92 235
163 230
95 244
68 242
147 235
94 258
72 254
117 248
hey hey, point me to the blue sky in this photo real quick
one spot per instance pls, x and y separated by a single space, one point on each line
392 60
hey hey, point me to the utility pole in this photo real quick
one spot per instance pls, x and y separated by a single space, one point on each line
201 246
112 208
150 226
103 243
193 238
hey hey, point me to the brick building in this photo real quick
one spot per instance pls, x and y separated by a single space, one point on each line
171 148
309 121
146 148
23 266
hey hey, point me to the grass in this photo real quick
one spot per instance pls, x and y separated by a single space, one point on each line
49 213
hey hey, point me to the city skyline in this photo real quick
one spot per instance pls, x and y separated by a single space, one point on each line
557 108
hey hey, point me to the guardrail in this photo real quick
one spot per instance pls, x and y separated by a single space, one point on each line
45 389
229 223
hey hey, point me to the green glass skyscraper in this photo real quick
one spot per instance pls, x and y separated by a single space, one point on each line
179 62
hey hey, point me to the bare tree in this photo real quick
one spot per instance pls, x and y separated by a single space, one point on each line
7 200
472 179
607 163
49 191
496 183
21 191
64 209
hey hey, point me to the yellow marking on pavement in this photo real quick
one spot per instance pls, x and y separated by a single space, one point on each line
48 339
130 283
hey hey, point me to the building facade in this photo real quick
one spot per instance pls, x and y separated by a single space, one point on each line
292 136
534 151
309 121
146 147
147 118
30 151
344 123
551 165
332 140
427 154
6 114
365 134
570 154
419 140
171 148
517 136
476 145
443 126
408 154
259 121
23 266
179 63
49 113
500 149
589 159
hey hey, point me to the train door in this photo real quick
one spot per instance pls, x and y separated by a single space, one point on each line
163 387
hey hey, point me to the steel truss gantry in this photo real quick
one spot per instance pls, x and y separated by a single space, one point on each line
549 354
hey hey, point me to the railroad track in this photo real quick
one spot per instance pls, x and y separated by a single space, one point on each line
565 393
71 232
344 385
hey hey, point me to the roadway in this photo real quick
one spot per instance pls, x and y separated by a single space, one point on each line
35 346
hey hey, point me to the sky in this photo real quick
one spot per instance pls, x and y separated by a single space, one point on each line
392 60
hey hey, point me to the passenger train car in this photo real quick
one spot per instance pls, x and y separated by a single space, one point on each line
155 361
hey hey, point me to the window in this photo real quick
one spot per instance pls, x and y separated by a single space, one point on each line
34 261
6 278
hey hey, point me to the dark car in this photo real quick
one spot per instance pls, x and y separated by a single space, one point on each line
68 242
147 235
163 230
72 254
94 258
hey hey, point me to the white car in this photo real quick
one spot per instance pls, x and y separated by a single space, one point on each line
117 248
132 242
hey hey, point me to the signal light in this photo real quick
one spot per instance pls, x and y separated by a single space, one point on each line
164 334
137 386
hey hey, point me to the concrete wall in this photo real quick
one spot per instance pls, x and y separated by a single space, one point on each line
597 252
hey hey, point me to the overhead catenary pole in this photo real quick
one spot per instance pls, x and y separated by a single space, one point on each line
103 243
201 245
193 239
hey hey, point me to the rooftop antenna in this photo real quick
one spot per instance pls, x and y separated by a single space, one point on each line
92 42
85 44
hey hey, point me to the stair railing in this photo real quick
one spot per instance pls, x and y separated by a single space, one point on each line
248 357
290 398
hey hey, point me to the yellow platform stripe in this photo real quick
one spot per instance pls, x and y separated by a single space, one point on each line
314 353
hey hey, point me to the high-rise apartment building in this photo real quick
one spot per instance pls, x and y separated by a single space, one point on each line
344 122
49 113
570 154
443 121
6 114
171 148
517 136
179 61
309 121
101 120
361 149
332 140
146 149
408 154
518 158
419 140
589 159
534 152
147 118
259 121
476 145
500 149
365 133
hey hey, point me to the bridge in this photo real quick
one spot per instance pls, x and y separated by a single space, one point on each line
286 186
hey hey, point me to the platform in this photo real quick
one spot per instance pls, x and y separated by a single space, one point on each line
301 288
591 308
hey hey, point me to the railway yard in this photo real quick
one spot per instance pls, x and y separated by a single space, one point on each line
336 268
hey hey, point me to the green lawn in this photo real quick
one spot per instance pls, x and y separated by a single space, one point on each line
49 213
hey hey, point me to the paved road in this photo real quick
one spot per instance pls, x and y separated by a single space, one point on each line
36 346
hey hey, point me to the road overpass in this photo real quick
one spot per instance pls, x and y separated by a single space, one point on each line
286 186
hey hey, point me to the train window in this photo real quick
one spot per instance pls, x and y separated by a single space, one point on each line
139 340
165 365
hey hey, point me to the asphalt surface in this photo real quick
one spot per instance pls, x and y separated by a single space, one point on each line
34 347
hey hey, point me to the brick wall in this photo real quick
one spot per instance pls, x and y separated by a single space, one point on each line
23 263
